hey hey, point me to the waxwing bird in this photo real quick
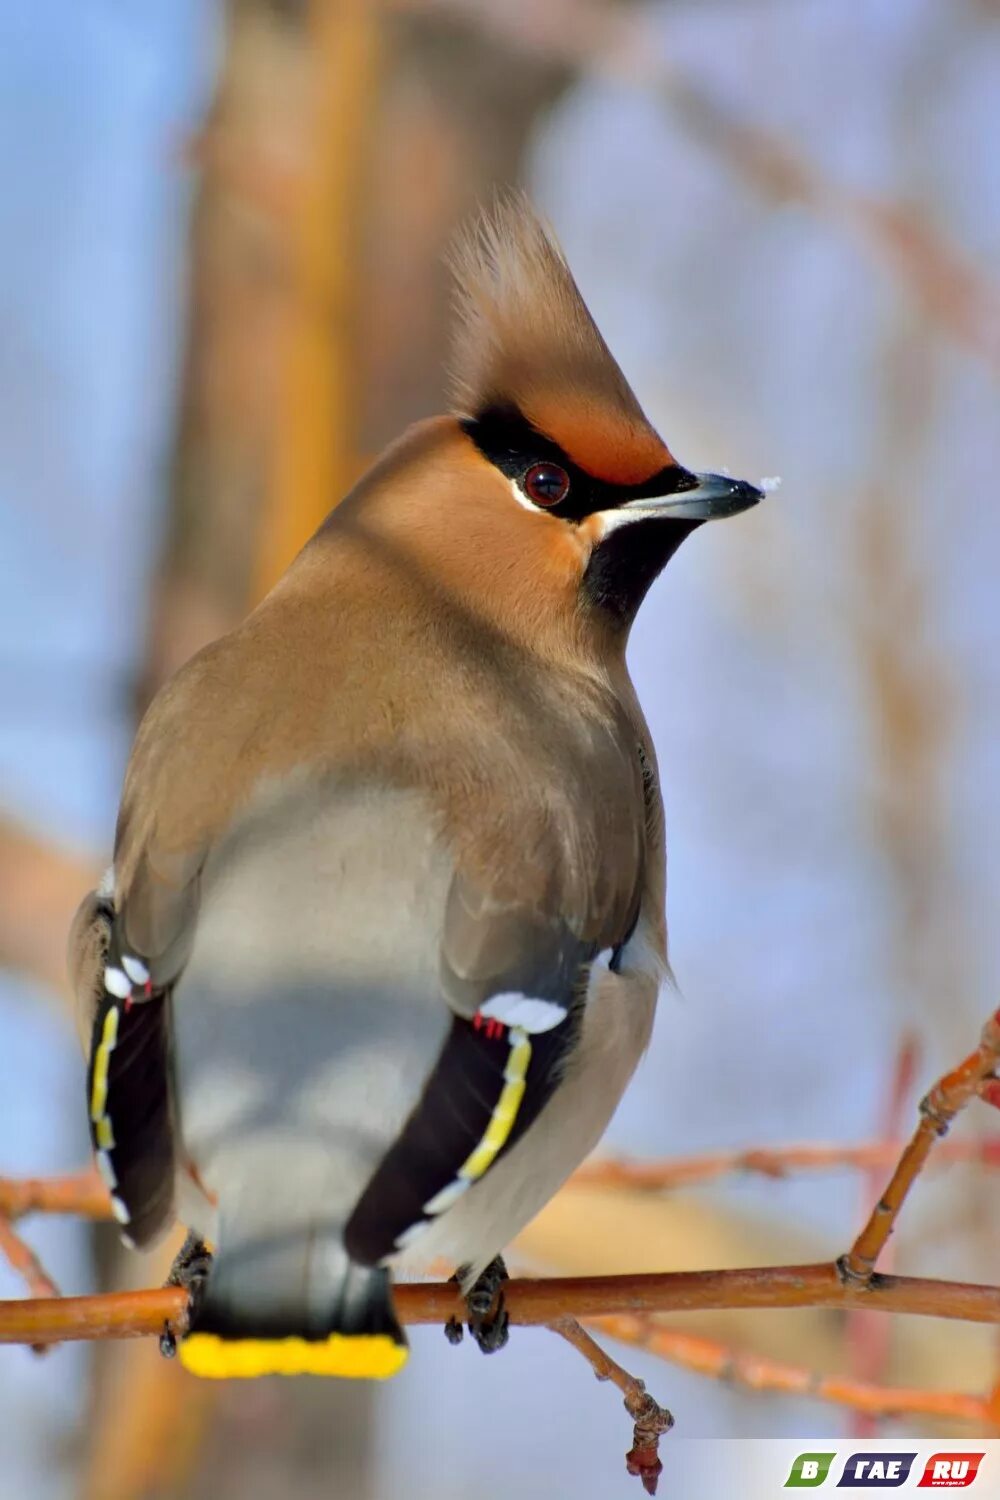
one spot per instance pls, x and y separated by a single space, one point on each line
381 944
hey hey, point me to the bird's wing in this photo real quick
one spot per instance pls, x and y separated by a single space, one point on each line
515 979
126 952
129 944
127 1076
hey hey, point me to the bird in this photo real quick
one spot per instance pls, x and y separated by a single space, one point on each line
382 940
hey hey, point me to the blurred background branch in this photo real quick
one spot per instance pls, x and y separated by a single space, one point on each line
614 41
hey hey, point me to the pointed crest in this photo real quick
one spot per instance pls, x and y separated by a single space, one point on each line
525 338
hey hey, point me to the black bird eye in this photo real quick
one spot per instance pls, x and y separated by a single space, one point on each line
546 484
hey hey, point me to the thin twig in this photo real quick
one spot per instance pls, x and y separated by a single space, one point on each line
84 1193
769 1161
651 1420
534 1303
23 1259
754 1372
81 1193
937 1110
868 1340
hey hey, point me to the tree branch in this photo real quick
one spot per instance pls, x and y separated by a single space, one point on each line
769 1161
538 1303
24 1260
81 1193
868 1341
950 1094
752 1372
651 1420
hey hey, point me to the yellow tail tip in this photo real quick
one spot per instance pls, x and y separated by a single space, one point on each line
358 1356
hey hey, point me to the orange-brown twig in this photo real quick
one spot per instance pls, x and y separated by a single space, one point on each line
80 1193
937 1110
769 1161
868 1340
708 1357
84 1193
651 1420
24 1260
133 1314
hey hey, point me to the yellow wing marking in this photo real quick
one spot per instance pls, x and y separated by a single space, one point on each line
102 1061
505 1112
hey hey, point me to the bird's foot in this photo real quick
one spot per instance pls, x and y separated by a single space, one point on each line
190 1271
489 1324
191 1265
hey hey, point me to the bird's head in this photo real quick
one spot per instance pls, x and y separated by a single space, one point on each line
548 479
541 397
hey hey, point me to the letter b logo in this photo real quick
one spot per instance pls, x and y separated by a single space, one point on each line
809 1470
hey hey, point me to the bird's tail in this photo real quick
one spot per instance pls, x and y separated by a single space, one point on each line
293 1305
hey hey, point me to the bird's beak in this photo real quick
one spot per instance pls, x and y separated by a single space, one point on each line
709 497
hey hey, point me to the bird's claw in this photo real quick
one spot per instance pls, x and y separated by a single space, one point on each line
453 1331
489 1323
191 1265
189 1271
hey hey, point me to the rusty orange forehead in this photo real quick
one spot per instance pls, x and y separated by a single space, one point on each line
605 441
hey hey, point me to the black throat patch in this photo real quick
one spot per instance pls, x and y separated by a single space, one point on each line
628 560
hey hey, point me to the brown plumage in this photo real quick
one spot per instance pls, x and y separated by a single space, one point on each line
389 874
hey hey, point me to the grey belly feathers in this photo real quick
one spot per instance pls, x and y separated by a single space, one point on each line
309 1013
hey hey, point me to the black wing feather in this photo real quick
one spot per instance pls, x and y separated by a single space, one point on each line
128 1093
449 1123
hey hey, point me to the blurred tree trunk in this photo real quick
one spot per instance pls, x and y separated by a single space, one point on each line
446 126
249 156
